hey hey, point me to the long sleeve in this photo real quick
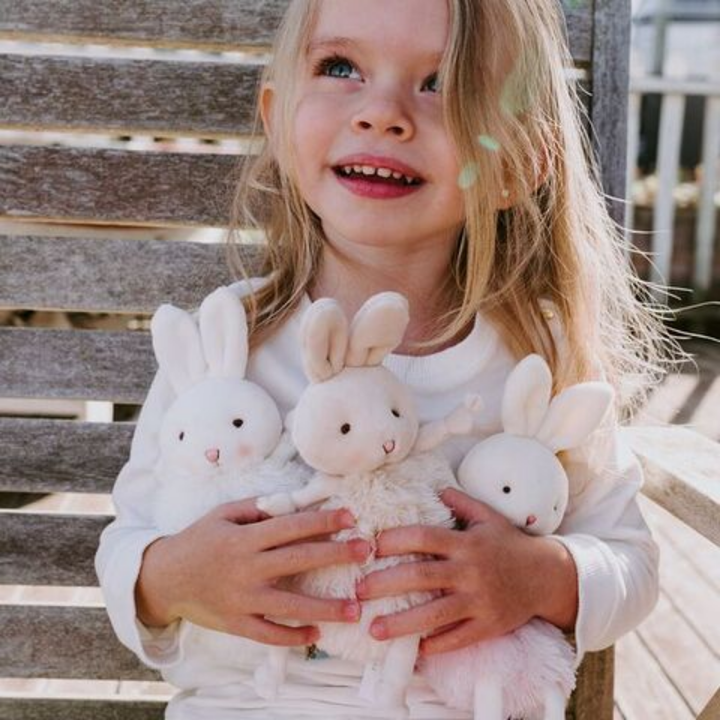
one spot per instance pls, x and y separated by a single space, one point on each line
604 531
124 541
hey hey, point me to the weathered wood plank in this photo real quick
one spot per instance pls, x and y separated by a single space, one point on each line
115 186
64 642
593 696
217 24
103 275
712 710
49 549
207 99
80 364
681 474
610 82
43 708
45 456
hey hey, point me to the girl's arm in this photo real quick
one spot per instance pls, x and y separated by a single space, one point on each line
150 582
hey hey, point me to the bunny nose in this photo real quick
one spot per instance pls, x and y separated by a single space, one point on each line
389 446
213 455
531 519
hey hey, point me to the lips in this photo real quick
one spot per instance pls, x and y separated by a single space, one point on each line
378 177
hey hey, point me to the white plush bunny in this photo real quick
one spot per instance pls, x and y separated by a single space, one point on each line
357 426
517 473
220 440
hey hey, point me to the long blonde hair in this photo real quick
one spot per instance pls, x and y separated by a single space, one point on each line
517 123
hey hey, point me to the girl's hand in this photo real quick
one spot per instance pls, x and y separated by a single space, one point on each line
493 578
221 573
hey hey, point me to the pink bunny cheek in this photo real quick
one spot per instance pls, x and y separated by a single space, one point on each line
243 452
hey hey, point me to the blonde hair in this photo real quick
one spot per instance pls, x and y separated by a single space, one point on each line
517 123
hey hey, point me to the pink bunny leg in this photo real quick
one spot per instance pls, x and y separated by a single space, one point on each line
488 699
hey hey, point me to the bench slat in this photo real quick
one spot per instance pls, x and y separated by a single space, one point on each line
64 643
77 364
108 275
681 474
49 549
218 24
32 708
115 186
46 456
208 99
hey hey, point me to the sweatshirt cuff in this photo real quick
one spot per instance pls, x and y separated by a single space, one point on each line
158 648
597 595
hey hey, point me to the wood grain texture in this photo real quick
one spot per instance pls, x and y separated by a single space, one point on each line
79 364
218 24
593 696
609 109
45 456
681 474
43 708
64 642
49 549
109 275
207 99
112 186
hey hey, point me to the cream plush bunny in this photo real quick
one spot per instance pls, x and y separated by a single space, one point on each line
220 440
517 473
357 426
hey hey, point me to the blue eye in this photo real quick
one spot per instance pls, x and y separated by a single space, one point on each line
335 66
432 83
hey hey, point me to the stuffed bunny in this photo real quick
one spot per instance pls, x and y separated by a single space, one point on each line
221 439
357 426
517 473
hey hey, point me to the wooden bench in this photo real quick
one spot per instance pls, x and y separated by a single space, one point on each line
129 272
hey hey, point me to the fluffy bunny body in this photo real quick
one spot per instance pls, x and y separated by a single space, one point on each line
517 473
356 425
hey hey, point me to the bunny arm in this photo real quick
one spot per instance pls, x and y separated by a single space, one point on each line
458 422
285 450
321 487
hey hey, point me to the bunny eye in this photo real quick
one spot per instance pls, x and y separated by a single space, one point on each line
238 422
395 412
555 508
507 489
182 436
345 429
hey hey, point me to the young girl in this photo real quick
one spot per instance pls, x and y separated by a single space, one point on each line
431 147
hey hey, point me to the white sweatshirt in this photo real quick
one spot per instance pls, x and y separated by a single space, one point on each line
615 555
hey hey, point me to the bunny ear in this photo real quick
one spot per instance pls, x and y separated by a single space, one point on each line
574 414
176 342
324 340
377 329
527 396
223 329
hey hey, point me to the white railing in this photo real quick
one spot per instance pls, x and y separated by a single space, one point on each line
674 92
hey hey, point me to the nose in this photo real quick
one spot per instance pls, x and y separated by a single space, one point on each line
531 520
212 455
384 113
389 446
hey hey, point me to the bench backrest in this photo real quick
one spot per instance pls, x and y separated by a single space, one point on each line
88 266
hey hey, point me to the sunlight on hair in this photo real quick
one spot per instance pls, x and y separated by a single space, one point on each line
489 142
468 176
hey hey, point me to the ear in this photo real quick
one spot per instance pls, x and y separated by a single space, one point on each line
267 108
377 329
574 414
510 193
176 342
527 396
324 340
224 333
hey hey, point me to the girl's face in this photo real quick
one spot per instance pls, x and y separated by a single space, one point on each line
369 110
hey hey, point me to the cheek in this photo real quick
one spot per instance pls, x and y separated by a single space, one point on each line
243 452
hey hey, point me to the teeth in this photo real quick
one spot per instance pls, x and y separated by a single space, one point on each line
384 172
369 171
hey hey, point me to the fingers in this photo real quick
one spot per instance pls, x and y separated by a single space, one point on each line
270 633
466 508
242 512
301 557
408 577
302 608
420 619
459 636
300 526
425 539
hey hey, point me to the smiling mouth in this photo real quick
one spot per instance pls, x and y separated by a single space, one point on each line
377 175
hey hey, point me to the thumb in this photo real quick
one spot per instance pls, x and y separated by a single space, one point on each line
242 512
465 508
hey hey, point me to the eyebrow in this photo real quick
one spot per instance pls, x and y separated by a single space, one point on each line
348 44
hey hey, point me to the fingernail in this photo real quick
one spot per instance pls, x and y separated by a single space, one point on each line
361 589
352 611
378 630
360 549
347 519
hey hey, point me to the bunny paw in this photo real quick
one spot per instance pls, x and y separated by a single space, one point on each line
277 504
